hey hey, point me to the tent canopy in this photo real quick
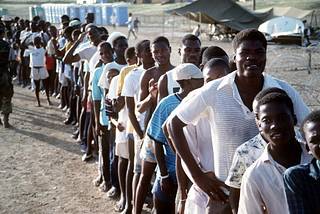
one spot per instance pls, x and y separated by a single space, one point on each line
232 15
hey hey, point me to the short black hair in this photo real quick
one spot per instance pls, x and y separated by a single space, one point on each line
140 45
117 39
103 30
312 117
65 17
130 53
190 37
250 34
216 62
161 39
276 97
213 52
263 93
105 44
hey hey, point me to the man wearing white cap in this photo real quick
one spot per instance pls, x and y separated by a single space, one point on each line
189 78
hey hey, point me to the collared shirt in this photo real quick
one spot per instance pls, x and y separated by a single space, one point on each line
262 187
245 156
302 187
232 123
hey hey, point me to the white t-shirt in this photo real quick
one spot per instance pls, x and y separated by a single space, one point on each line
121 137
231 122
262 185
131 88
50 48
103 82
87 52
37 56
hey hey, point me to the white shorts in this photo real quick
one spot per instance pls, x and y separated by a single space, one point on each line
122 150
137 149
39 73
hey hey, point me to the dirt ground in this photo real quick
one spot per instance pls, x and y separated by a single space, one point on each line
41 169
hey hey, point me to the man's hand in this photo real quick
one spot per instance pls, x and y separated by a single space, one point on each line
167 185
212 186
100 129
153 88
120 127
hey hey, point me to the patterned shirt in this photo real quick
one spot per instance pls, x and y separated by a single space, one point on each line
302 187
245 155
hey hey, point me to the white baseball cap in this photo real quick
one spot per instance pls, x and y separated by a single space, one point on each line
186 71
113 36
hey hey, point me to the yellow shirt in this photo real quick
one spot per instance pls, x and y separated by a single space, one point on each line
123 73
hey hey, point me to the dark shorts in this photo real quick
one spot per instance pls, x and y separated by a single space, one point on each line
160 195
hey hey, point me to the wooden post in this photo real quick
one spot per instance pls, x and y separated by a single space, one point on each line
253 5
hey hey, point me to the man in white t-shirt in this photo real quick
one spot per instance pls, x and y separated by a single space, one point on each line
227 103
131 27
131 91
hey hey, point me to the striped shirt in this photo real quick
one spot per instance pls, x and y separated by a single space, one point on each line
231 121
154 129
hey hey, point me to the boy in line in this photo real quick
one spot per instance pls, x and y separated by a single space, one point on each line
302 183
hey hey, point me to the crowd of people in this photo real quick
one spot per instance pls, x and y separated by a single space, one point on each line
211 135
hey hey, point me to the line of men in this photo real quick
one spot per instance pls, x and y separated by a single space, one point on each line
220 141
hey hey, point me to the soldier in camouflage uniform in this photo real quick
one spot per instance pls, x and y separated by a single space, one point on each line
6 87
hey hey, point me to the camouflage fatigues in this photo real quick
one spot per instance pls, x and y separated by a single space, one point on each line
6 87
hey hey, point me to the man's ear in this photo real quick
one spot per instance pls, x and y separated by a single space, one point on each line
234 57
258 122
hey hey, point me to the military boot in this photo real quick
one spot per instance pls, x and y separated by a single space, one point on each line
6 121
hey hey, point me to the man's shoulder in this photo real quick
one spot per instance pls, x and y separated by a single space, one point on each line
301 170
255 143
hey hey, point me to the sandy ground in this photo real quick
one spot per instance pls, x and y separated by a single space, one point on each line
41 169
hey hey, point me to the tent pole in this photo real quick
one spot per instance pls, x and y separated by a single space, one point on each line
253 5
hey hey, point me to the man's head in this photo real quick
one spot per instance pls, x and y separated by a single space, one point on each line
250 48
53 31
65 20
37 42
214 69
106 52
161 50
143 52
131 56
120 44
213 52
93 34
311 130
68 32
89 18
130 14
275 118
188 76
190 49
34 27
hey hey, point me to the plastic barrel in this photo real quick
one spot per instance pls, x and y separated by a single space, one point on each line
106 12
121 11
82 13
98 14
73 11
